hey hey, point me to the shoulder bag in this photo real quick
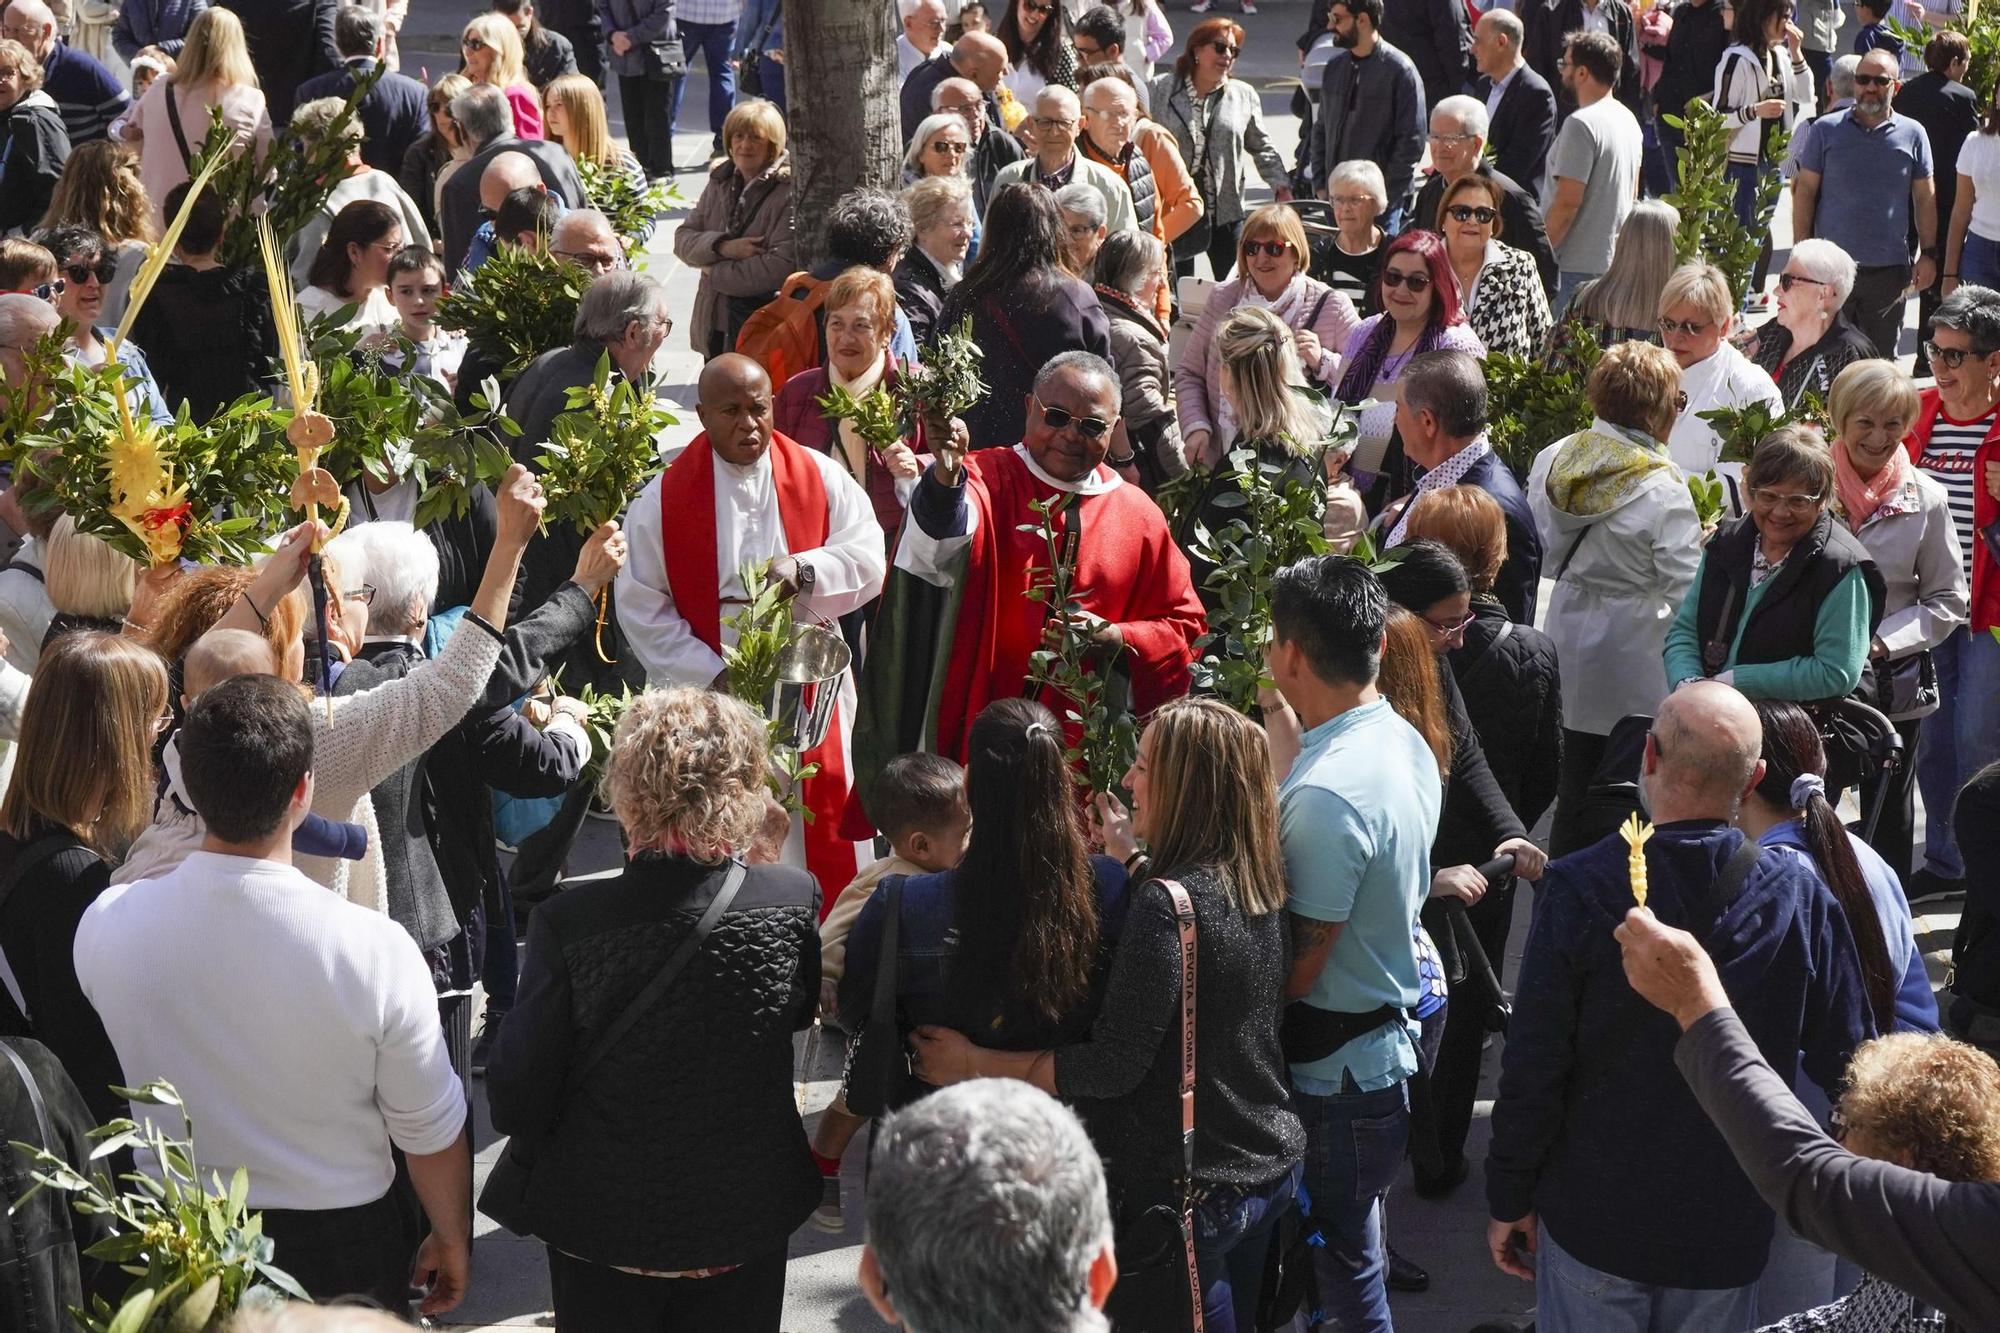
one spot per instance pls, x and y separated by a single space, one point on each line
1193 243
505 1198
878 1063
1159 1289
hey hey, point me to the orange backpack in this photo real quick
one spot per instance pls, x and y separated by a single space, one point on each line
783 334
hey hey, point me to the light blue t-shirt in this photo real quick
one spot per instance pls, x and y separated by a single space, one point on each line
1357 815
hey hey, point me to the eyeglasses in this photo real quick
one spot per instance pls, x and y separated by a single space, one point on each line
474 44
1787 281
1418 283
1763 497
1225 50
962 108
1091 428
1053 123
163 723
1680 401
1353 201
1659 746
1450 138
1952 357
365 594
1693 328
1251 249
596 263
1087 54
1447 631
1873 80
104 272
1472 213
49 291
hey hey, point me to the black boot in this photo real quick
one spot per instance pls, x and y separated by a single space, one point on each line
1406 1276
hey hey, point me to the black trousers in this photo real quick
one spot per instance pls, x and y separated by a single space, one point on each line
1895 836
1583 751
1221 253
647 124
591 1298
588 39
1455 1078
364 1251
1877 305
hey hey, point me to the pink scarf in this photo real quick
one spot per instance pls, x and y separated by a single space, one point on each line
1861 496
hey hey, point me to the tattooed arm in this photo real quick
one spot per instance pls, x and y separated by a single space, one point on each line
1312 942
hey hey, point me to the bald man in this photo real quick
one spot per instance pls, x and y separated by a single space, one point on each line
467 192
738 495
88 95
505 175
1602 1166
584 238
1058 120
978 56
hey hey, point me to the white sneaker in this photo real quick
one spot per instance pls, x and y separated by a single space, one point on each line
1249 8
1203 6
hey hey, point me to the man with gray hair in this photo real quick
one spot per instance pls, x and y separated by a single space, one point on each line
987 1213
584 237
1136 600
488 122
1458 149
393 114
1677 1231
1520 105
89 96
1058 120
24 320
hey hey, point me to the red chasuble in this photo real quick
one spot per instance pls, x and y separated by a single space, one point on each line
687 521
1128 571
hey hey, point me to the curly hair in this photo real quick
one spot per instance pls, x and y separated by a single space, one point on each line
1927 1101
203 596
99 188
686 775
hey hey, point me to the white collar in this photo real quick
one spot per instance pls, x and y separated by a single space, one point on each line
742 472
1097 483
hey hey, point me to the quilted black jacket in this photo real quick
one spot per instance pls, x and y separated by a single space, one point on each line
683 1148
1514 693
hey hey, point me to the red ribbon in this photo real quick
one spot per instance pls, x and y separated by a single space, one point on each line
156 519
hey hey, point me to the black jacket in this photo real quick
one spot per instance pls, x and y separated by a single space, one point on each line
731 1178
31 159
1475 817
1521 223
1019 331
417 174
1693 51
290 41
1433 33
38 936
42 1273
463 542
1547 22
1948 112
1512 687
208 336
920 292
547 57
458 215
1523 126
394 114
1975 953
1781 624
1520 578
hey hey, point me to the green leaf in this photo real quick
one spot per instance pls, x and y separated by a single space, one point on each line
131 1316
194 1312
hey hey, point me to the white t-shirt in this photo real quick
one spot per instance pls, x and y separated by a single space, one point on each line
1600 145
1979 159
300 1029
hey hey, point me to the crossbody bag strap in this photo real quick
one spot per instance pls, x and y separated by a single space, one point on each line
1570 554
1184 920
47 1136
174 122
690 945
882 1005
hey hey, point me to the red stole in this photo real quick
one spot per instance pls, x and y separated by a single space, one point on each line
687 525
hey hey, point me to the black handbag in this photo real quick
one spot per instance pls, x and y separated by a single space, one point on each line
505 1198
1158 1288
878 1064
666 61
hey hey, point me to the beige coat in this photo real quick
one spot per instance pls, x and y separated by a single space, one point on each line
730 208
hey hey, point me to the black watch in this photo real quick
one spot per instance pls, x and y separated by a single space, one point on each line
1929 252
806 576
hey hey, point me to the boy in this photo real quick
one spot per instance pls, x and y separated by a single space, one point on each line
919 804
1874 33
416 281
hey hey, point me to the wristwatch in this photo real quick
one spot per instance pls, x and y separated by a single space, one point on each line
1929 252
805 577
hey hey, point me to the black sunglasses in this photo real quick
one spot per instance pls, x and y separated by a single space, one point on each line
474 44
1874 80
1952 357
1271 248
1043 10
104 271
1787 281
1469 213
1091 428
1416 282
1225 50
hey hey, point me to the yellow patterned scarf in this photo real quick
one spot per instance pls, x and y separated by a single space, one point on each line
1599 469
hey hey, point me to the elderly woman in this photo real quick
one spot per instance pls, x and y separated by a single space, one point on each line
1785 600
1498 285
212 74
712 1204
1146 443
740 232
1902 517
941 217
1359 197
942 147
1956 442
1215 119
1623 304
87 267
1274 254
1619 530
1810 341
35 145
1418 297
1084 227
860 315
491 49
1696 313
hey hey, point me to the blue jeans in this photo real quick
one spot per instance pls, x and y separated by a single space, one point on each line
1566 285
1354 1147
1979 261
1572 1297
1232 1236
1958 740
711 41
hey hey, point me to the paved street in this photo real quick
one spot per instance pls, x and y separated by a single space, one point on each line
510 1275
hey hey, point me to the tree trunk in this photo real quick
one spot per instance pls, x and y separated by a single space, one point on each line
842 109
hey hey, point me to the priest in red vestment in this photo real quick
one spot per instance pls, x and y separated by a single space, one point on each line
740 494
957 626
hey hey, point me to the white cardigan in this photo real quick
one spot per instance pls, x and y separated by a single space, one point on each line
1742 80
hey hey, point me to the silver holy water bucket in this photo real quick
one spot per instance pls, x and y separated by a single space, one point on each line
808 687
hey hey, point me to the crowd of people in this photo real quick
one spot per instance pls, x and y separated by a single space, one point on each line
1148 1056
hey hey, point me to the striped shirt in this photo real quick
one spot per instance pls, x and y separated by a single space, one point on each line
1948 457
1353 276
708 11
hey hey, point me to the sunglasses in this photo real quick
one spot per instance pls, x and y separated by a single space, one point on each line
1418 283
1042 10
1787 281
950 146
474 44
1680 401
1251 249
1951 357
1091 428
79 274
1693 328
1471 213
1873 80
1225 50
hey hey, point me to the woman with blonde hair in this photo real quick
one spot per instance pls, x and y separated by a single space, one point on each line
100 698
1624 303
90 583
740 232
574 115
100 189
172 120
34 143
713 1203
491 47
1204 806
